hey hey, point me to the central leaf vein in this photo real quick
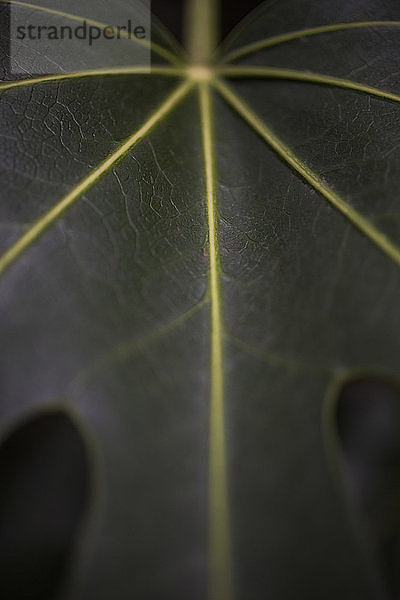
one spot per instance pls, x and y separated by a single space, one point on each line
220 561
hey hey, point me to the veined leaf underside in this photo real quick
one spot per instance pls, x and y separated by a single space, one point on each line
206 73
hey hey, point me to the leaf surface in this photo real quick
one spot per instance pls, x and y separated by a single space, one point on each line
193 261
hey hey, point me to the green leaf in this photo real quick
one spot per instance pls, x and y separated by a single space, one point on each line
194 262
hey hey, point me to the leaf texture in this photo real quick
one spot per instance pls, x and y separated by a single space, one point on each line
193 261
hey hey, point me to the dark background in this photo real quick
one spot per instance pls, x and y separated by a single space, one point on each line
171 12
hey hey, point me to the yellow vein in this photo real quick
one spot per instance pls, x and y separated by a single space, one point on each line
202 28
127 350
163 52
156 70
290 74
363 224
48 219
220 552
293 35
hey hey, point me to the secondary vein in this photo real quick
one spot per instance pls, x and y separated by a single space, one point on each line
43 223
293 35
129 349
220 559
276 360
155 70
296 75
163 52
358 220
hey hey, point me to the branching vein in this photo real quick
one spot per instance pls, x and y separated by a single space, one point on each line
156 48
295 75
360 222
48 219
272 358
155 70
129 349
302 33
